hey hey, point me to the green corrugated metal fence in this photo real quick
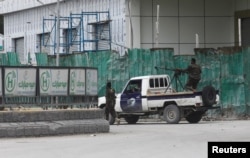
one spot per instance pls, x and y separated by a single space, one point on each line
226 69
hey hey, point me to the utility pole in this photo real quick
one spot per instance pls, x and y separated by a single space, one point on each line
57 33
157 27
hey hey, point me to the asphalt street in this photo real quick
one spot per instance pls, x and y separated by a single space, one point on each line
142 140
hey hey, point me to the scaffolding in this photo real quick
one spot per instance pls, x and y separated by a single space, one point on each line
84 32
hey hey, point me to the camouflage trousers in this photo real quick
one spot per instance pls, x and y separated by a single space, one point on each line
110 109
192 83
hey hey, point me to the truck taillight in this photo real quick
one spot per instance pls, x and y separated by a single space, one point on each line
198 104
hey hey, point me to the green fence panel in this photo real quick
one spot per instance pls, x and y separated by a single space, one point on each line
246 72
225 68
232 97
209 60
64 60
13 59
182 62
231 61
3 59
147 62
79 59
232 79
52 60
41 59
103 61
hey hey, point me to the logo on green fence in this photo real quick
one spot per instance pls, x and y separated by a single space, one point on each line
26 83
80 84
10 81
59 84
72 80
45 81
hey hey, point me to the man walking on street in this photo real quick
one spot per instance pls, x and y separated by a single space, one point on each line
110 103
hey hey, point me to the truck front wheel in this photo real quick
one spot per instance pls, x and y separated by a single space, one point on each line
131 119
195 117
172 114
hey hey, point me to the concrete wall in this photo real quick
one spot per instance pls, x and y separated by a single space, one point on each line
242 5
180 21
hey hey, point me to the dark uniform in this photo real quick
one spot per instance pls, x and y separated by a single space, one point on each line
194 75
110 101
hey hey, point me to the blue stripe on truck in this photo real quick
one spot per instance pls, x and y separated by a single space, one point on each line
172 96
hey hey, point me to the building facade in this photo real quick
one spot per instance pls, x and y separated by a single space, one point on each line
30 26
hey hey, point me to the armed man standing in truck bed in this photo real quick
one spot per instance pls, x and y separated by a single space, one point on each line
194 75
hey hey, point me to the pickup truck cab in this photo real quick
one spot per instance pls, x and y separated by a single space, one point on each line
147 95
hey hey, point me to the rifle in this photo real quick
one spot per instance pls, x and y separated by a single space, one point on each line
177 72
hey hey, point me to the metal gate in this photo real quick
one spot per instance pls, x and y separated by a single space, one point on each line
45 43
74 47
69 46
19 49
101 35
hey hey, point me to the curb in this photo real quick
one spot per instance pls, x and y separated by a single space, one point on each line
49 123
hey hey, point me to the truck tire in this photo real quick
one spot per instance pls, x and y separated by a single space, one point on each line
131 119
172 114
195 117
208 96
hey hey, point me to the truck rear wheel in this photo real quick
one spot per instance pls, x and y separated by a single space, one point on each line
195 117
132 119
172 114
208 96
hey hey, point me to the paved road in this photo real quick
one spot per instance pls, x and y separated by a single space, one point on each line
143 140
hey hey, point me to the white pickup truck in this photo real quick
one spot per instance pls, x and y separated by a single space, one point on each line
147 95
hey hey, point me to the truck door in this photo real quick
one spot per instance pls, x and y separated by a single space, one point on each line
131 97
